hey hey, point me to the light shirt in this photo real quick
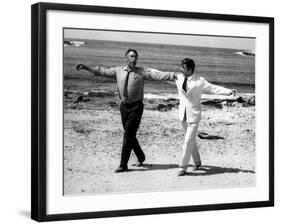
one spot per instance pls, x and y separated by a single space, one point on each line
190 105
189 78
135 80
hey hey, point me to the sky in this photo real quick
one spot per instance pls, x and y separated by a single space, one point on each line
160 38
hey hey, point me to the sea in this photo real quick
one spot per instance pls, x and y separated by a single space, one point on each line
221 66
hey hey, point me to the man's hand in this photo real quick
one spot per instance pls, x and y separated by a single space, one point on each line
81 67
233 92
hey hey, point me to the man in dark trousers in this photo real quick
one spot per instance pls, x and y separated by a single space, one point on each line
130 84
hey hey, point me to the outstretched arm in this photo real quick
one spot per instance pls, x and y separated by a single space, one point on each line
215 89
98 71
80 67
153 74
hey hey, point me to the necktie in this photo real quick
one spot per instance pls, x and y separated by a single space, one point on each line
125 93
184 84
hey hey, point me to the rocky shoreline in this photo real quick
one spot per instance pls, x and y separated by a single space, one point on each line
73 99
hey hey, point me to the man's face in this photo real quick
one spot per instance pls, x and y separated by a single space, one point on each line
186 71
132 59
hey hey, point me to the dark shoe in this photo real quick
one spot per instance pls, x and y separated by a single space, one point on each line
182 173
121 169
140 163
196 167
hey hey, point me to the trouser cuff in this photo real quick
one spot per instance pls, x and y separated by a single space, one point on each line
183 168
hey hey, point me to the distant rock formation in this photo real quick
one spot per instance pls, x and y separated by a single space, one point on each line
245 53
73 43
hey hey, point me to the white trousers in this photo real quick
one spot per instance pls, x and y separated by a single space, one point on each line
189 147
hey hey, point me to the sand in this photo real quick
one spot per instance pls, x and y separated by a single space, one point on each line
93 139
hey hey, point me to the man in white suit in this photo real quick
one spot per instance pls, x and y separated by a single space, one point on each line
190 88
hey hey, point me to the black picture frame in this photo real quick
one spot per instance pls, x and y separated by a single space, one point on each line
39 110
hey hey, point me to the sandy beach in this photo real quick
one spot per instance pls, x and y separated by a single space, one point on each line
93 132
93 139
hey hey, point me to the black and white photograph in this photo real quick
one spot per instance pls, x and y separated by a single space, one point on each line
143 112
148 112
140 112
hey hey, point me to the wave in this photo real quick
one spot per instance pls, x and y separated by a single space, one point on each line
245 53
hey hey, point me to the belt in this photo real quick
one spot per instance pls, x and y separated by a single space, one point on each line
132 103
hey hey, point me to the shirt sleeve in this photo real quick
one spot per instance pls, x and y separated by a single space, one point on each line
153 74
108 72
214 89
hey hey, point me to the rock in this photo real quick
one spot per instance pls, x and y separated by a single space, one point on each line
82 99
101 93
112 104
224 103
172 100
214 103
160 104
247 101
240 99
162 107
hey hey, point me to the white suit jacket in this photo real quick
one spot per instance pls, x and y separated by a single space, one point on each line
190 100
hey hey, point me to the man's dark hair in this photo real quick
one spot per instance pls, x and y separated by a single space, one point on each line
189 63
131 49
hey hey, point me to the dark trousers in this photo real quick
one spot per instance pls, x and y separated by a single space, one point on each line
131 117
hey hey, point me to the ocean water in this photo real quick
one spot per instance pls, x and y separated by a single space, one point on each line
220 66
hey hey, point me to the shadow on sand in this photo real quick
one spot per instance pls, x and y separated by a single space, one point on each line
203 135
202 171
212 170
